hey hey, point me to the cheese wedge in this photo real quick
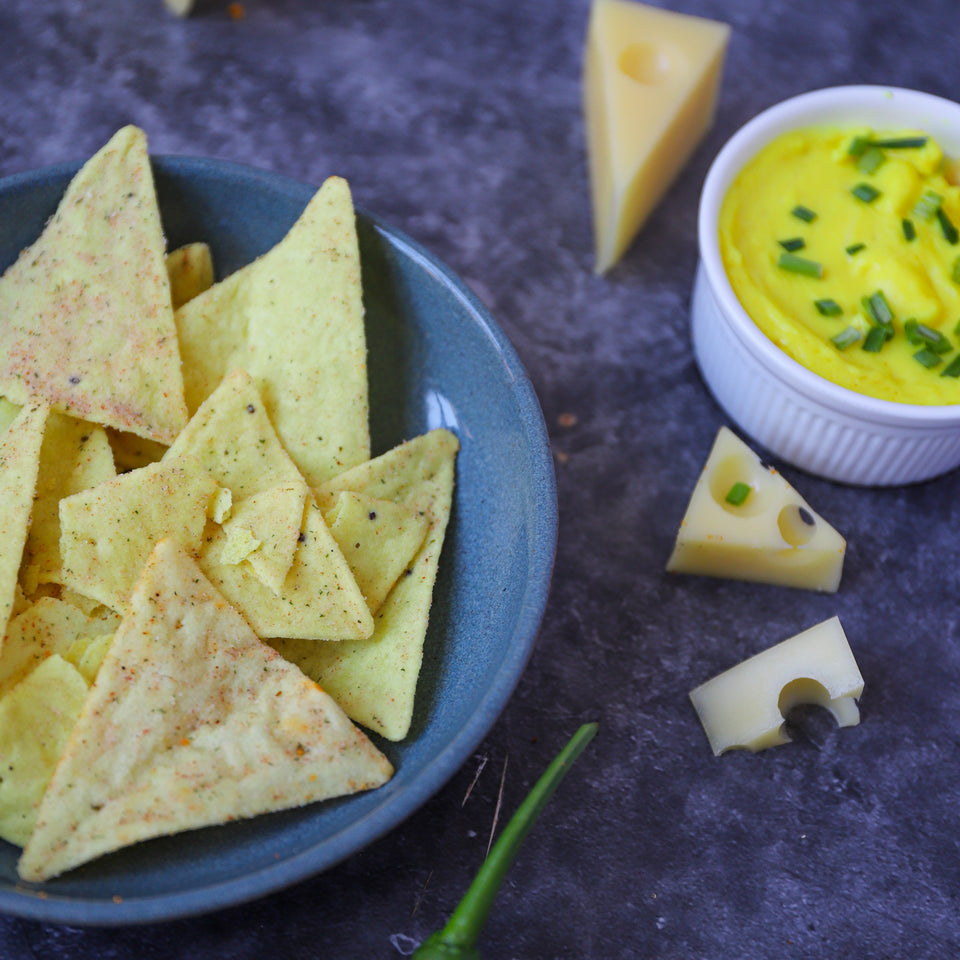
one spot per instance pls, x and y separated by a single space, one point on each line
771 536
651 79
746 706
191 721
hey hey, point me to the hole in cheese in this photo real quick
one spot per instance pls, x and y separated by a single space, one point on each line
797 525
646 63
738 468
802 690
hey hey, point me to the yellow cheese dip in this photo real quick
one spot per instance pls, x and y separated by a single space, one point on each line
814 169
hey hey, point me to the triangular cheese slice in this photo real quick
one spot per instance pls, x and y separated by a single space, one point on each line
745 522
650 80
87 317
191 721
294 319
375 680
19 460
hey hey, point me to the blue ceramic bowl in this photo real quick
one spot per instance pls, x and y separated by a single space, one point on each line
436 358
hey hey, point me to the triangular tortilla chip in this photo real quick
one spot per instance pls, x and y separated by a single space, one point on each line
375 680
378 539
46 627
318 598
19 460
273 519
108 531
87 318
131 451
36 718
190 269
191 721
232 438
294 319
75 455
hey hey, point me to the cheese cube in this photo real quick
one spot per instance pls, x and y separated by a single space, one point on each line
650 86
746 706
771 536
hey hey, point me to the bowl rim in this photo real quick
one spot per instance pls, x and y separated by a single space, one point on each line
807 109
49 906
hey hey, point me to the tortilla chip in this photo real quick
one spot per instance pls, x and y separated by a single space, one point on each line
131 451
375 680
190 269
36 718
294 319
46 627
86 653
378 539
191 721
318 598
75 455
268 524
8 413
87 318
109 530
231 438
19 460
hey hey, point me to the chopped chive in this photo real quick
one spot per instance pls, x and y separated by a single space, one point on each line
909 231
900 143
877 308
865 192
803 213
875 339
855 248
927 205
738 493
846 337
919 333
795 264
828 308
871 160
952 369
858 146
927 357
793 243
955 271
950 233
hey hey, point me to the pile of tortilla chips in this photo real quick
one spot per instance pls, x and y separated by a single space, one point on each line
204 578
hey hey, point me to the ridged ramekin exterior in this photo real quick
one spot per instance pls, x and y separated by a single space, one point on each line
804 419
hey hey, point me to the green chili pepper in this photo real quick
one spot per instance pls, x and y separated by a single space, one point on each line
458 939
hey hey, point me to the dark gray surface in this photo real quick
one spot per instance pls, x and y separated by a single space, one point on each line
460 123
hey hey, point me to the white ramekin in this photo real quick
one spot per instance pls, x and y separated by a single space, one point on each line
801 417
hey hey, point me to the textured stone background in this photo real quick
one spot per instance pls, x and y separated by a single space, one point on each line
460 123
